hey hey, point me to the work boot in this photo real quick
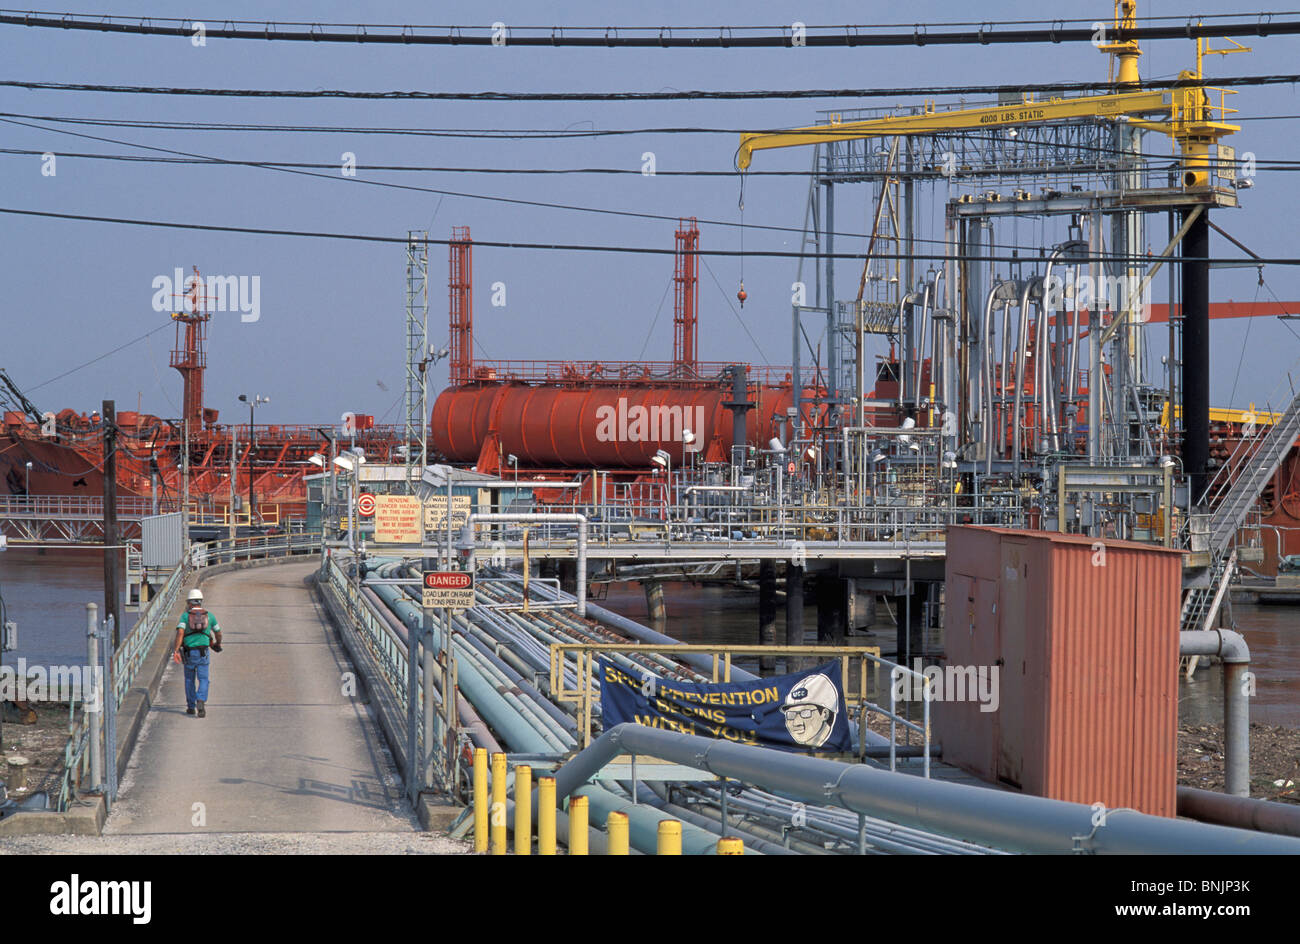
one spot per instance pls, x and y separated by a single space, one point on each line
202 713
189 710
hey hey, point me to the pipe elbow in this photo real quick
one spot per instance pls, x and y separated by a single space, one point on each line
1232 647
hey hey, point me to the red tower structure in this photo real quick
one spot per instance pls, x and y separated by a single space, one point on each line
686 299
189 356
460 285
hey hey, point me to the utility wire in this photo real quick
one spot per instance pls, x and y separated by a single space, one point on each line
679 37
634 250
659 96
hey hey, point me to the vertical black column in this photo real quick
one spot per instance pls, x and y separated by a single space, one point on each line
830 609
767 611
793 611
112 577
1196 353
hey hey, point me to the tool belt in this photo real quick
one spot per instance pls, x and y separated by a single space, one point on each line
201 650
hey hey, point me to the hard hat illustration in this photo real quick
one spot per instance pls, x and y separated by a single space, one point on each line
815 690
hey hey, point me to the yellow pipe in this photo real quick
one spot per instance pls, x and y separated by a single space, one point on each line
578 826
480 799
546 816
617 827
498 804
523 810
670 837
731 846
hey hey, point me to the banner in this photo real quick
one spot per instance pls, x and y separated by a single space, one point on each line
802 711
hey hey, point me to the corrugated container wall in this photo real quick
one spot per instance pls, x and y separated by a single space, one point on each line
1084 633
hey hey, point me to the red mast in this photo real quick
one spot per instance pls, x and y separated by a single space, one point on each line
686 299
189 356
460 284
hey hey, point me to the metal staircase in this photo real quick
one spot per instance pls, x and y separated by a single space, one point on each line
1241 479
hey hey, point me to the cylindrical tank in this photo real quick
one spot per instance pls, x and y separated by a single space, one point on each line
606 426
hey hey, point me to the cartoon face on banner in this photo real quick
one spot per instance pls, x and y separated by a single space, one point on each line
810 709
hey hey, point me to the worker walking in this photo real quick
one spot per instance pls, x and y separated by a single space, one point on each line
197 631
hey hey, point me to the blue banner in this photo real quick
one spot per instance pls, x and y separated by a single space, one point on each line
802 711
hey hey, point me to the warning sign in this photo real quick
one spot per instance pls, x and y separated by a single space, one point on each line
397 519
365 504
450 588
435 512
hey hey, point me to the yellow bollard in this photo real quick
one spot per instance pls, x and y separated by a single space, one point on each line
523 810
617 827
670 837
498 804
480 799
731 846
546 816
578 826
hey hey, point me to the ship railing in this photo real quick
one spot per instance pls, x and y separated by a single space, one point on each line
738 524
79 506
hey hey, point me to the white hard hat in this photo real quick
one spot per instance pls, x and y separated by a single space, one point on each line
816 690
195 594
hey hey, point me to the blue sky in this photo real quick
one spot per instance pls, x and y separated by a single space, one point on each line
331 326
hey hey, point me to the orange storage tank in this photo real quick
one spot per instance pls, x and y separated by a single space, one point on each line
1085 635
606 427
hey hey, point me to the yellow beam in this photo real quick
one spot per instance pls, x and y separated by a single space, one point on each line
1161 102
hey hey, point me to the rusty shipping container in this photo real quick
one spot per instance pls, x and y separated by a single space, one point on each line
1084 633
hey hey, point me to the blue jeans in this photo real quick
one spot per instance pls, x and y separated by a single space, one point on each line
196 671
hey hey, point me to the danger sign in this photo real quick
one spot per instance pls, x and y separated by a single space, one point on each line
448 588
365 504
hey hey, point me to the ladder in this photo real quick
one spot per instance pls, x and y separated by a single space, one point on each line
1201 604
1248 470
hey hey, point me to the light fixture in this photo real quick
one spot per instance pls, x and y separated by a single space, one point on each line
661 459
879 456
512 459
317 459
950 460
1166 462
905 439
688 437
811 453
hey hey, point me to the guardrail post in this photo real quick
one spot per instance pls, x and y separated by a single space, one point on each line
110 714
546 816
617 827
523 809
578 826
480 799
670 838
91 701
498 804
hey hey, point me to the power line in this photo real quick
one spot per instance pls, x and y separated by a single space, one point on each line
467 133
633 250
664 37
660 96
456 193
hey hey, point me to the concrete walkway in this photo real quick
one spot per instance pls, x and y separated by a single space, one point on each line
283 749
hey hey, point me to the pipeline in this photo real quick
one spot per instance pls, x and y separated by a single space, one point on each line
1232 649
1241 812
990 817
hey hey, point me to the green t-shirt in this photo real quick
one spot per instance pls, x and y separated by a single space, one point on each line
193 640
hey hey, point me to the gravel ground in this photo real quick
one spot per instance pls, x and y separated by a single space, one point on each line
41 743
1274 760
386 843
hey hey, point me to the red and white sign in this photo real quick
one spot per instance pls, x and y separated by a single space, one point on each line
448 588
365 504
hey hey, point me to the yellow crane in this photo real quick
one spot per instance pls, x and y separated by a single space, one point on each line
1186 114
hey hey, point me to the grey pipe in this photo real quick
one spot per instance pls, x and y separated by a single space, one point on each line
1022 346
1006 372
1232 649
992 817
905 360
1241 812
